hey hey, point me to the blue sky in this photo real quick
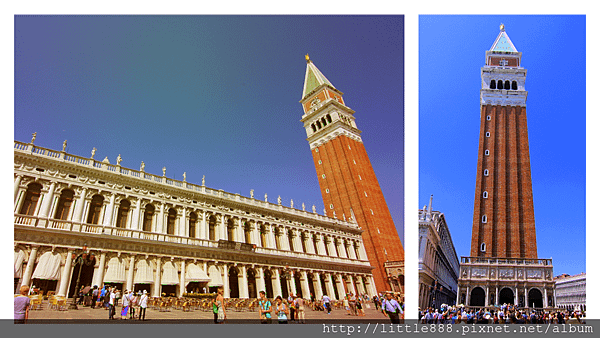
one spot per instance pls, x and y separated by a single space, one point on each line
451 54
210 95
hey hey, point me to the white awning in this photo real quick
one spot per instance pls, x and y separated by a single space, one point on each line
48 267
169 274
193 273
144 272
215 276
19 259
116 271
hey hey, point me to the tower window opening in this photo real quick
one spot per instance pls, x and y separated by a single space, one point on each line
486 172
514 85
318 124
493 84
487 152
323 121
331 206
482 247
323 175
487 134
485 194
507 85
500 86
313 127
329 117
484 219
320 162
327 191
489 117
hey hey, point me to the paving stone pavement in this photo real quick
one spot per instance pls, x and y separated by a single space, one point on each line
87 314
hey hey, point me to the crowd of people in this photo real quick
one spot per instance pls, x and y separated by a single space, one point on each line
504 314
293 309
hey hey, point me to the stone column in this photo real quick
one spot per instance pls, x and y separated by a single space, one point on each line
243 282
497 297
342 249
276 280
331 247
487 295
129 283
98 277
255 234
30 263
225 271
223 228
350 250
17 185
284 240
271 240
157 288
361 251
458 294
260 280
351 286
159 224
47 202
204 227
371 286
360 286
516 296
292 284
304 285
545 297
321 244
182 278
317 285
65 278
340 286
78 213
526 297
135 216
109 212
329 287
309 244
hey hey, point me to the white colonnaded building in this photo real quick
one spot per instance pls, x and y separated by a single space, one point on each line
78 218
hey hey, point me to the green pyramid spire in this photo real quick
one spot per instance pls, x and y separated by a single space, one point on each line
313 78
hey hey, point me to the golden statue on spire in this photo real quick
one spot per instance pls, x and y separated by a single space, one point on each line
307 57
502 27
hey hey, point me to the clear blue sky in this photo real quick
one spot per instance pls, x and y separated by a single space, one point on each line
451 54
210 95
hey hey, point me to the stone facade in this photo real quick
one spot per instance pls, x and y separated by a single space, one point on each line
150 232
570 292
347 180
438 262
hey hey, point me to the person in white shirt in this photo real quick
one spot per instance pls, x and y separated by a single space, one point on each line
111 304
327 304
143 305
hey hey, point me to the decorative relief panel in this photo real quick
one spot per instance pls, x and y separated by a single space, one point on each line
535 274
479 272
506 273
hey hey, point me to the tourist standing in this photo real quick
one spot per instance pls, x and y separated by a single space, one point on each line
352 303
143 305
133 302
22 303
220 301
94 297
292 306
281 310
264 308
392 309
327 304
111 303
299 303
126 302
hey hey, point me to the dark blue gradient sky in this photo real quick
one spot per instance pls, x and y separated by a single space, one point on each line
210 95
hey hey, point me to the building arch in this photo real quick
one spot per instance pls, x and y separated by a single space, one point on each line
477 297
65 201
251 276
171 218
123 213
234 289
148 216
535 299
506 296
32 196
192 224
95 210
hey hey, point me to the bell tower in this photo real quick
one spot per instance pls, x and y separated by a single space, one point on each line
503 267
348 183
503 221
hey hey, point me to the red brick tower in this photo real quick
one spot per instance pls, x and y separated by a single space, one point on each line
348 183
503 222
